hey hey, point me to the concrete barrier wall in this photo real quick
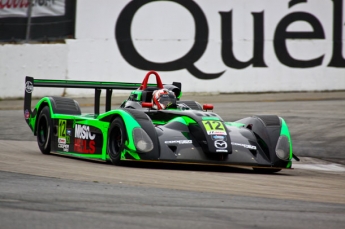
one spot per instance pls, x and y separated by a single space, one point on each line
209 46
44 61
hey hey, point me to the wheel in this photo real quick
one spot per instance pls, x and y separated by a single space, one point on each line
117 137
44 130
266 171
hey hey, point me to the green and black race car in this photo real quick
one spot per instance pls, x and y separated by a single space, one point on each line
183 132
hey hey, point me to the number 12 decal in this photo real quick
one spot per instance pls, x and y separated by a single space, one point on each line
214 127
62 128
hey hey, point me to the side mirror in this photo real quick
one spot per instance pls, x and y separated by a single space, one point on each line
146 105
207 107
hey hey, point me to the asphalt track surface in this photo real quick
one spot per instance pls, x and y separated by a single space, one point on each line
51 191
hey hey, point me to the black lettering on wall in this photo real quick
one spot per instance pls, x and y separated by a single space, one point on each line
130 54
281 35
228 56
295 2
337 57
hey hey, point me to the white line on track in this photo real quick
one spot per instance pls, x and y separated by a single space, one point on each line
324 167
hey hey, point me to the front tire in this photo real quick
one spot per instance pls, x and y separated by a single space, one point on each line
44 130
117 137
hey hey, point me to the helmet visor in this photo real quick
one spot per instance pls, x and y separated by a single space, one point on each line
167 101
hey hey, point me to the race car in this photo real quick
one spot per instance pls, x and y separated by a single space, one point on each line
154 125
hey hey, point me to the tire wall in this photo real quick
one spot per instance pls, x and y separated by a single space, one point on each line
209 46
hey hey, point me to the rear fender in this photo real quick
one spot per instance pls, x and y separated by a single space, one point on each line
32 120
268 129
57 105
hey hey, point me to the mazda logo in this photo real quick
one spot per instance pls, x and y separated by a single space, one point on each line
220 144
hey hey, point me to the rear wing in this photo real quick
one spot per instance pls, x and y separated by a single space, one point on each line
30 83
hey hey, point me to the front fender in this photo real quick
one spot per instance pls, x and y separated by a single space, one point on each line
136 119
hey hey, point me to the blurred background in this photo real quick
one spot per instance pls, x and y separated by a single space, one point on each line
213 47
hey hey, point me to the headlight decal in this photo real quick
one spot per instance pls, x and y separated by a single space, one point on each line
285 132
142 141
283 148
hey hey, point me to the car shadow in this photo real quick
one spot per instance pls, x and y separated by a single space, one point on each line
180 166
197 168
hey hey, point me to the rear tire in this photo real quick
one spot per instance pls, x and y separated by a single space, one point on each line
117 137
44 130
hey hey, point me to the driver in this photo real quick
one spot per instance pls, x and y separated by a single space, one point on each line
163 99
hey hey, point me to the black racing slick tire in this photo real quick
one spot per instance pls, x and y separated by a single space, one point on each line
44 130
117 137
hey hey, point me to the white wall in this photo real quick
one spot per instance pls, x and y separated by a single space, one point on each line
40 61
164 31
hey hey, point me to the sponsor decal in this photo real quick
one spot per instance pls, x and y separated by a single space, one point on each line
64 147
40 8
220 144
29 87
214 127
179 142
83 132
62 140
69 132
84 140
215 132
218 137
84 146
222 150
244 145
26 114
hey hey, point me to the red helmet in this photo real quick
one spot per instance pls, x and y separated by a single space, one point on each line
162 99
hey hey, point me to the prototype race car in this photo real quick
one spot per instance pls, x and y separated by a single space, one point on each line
154 125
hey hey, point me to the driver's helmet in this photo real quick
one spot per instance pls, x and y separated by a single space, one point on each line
162 99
